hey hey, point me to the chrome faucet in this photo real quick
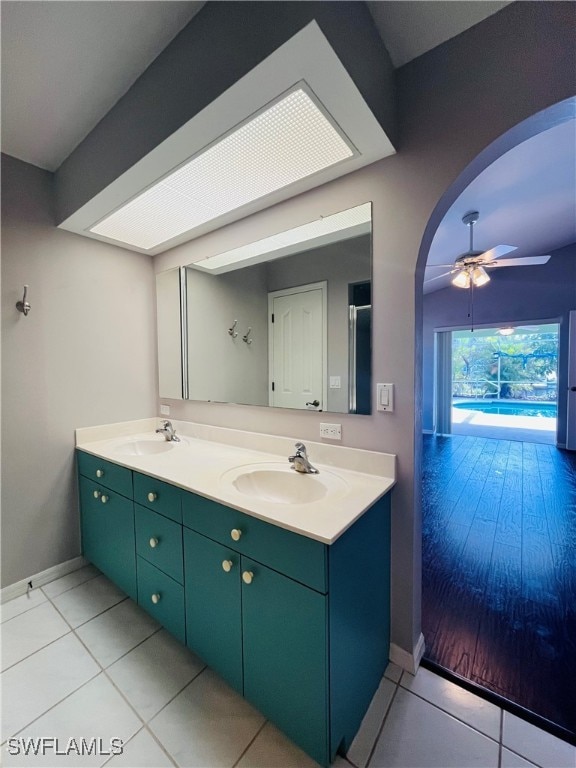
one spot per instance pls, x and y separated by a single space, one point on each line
300 461
168 431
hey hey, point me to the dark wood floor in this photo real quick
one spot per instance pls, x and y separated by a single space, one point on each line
499 569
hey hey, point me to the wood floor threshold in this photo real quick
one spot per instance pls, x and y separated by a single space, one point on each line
500 701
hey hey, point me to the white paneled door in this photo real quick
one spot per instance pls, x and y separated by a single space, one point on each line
297 334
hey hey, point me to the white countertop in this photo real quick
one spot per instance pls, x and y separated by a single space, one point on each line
208 459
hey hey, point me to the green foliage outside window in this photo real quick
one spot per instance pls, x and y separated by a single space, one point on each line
521 366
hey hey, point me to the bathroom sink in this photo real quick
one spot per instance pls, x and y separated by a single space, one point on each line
146 446
280 484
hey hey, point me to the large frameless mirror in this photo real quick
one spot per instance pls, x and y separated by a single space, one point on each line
284 322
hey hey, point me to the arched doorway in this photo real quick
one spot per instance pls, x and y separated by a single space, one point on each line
496 589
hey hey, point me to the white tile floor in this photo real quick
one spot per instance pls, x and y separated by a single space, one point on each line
80 661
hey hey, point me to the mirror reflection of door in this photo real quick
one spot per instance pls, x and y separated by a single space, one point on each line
360 347
298 339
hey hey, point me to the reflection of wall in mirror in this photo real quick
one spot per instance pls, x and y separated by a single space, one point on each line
222 368
340 263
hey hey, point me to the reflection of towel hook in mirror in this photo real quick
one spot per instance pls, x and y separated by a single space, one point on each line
231 331
23 306
245 337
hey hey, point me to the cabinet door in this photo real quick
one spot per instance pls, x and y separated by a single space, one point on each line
213 619
286 655
108 539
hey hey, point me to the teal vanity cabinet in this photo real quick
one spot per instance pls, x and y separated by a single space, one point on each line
300 628
107 520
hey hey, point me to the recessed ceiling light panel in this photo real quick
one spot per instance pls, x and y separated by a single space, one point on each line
286 142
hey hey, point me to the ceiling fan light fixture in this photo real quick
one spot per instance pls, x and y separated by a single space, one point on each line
462 279
480 277
507 331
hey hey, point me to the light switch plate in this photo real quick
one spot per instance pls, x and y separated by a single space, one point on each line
331 431
164 410
384 397
335 382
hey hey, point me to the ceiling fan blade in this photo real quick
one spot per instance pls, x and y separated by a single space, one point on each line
435 266
444 274
494 253
521 262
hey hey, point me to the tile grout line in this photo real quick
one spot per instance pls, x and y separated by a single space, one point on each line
51 707
69 589
116 688
500 739
258 732
454 717
123 600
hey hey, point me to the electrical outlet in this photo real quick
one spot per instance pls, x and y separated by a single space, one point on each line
331 431
164 410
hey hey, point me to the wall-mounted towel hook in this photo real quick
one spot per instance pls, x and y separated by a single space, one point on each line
245 337
23 306
231 331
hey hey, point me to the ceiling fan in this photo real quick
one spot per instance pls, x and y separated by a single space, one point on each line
469 269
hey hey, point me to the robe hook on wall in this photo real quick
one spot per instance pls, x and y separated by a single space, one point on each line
23 306
231 331
246 335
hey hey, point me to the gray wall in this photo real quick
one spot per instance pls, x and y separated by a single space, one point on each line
513 296
84 355
222 368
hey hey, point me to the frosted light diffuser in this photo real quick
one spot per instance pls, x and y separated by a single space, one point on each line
480 277
353 220
286 142
462 280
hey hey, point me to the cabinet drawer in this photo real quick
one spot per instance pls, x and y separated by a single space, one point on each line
107 522
106 473
162 597
159 541
159 496
299 557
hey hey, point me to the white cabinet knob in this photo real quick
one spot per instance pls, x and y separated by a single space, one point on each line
154 542
155 598
247 577
104 498
152 496
227 565
236 533
97 494
99 473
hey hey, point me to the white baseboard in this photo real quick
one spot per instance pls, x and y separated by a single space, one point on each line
408 661
44 577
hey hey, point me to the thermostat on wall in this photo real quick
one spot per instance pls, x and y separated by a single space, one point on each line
385 397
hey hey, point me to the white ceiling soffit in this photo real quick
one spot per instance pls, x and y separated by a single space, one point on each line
66 64
409 29
526 198
307 57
